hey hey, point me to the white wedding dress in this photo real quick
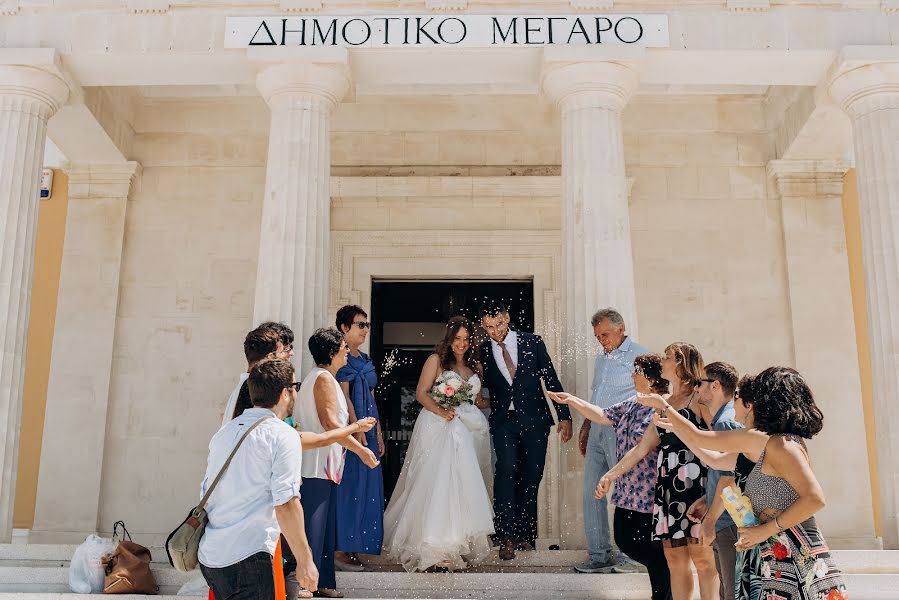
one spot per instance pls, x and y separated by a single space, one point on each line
441 511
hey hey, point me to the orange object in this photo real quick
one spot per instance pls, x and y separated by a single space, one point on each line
278 571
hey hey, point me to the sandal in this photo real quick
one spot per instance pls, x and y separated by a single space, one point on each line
301 593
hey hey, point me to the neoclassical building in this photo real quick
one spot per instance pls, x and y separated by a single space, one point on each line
722 172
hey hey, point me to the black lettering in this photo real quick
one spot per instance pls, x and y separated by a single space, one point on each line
639 28
323 36
528 30
301 31
550 21
443 38
578 28
421 30
406 25
513 29
599 30
387 21
271 39
367 32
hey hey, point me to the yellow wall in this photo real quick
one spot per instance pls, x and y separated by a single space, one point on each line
860 312
51 230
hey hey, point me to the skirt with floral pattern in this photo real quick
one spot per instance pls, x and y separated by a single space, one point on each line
796 565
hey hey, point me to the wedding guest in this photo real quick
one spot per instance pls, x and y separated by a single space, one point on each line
257 497
360 496
681 480
748 567
634 494
796 561
612 384
321 407
266 341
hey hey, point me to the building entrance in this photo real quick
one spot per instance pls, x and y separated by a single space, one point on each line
408 320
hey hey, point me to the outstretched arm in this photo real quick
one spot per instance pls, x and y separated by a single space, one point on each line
312 440
649 441
592 413
748 441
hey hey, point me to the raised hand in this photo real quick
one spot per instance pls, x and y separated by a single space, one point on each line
366 424
651 400
561 397
662 423
603 487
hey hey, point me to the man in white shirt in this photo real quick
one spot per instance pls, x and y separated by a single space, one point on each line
258 496
269 340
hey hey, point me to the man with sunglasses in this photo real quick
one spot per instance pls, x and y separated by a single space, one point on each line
269 340
716 397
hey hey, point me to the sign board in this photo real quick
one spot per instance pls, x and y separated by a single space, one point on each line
465 31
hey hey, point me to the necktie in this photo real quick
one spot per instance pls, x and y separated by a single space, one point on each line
508 360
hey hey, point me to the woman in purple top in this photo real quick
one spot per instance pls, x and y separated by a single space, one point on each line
634 493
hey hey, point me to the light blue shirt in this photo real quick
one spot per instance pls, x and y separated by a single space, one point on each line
612 381
725 420
265 473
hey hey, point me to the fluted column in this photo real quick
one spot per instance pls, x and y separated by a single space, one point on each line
870 96
294 258
597 259
82 354
28 98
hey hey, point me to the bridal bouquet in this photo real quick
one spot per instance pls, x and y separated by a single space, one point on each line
451 390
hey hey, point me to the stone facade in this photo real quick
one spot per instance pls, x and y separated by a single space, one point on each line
698 191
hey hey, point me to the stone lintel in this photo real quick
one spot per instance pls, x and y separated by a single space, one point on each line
748 5
300 6
148 7
592 4
440 5
808 178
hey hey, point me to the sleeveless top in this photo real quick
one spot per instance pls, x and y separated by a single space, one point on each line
770 495
327 462
743 469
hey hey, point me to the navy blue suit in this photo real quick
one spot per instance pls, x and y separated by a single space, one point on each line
520 437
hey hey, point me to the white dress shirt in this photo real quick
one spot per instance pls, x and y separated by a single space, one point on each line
232 399
266 472
511 343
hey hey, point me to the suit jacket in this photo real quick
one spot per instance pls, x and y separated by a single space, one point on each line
534 364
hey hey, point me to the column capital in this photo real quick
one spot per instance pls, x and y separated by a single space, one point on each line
101 180
286 81
602 84
34 83
864 79
808 178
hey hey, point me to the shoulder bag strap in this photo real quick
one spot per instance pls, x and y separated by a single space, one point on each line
228 462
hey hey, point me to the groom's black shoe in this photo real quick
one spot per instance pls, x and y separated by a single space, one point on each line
507 550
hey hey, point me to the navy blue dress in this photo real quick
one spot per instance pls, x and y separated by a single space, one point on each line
360 495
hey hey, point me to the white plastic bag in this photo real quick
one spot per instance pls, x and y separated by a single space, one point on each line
86 571
195 587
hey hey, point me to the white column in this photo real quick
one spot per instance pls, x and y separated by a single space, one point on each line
294 257
28 98
597 260
81 361
870 96
811 195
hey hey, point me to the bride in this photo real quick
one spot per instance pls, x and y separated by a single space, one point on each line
440 513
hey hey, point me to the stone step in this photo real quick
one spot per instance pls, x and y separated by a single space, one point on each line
49 555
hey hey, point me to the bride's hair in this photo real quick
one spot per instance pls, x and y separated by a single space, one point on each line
445 347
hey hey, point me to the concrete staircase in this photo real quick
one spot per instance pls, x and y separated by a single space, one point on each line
40 572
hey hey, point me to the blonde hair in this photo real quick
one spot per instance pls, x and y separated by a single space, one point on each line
689 362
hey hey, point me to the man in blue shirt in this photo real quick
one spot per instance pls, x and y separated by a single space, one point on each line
612 383
716 396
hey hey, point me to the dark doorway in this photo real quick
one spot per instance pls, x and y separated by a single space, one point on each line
407 322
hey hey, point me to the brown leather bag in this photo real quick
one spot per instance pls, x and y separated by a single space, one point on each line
128 567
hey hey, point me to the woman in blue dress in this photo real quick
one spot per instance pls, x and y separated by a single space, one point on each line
360 496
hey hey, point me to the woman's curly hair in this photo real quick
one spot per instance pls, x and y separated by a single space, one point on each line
784 403
445 348
650 365
745 391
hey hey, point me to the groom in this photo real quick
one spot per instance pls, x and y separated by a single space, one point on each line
520 420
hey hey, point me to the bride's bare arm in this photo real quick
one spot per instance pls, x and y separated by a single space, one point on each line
429 375
480 401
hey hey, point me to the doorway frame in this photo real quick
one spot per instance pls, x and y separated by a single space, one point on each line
360 257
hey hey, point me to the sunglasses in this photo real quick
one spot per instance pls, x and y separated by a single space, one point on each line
699 381
362 324
295 385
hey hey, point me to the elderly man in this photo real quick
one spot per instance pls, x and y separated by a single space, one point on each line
612 383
